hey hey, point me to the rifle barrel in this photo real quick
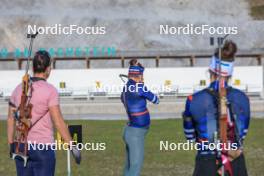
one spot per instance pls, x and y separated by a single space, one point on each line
31 36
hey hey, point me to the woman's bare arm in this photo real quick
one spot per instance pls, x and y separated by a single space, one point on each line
61 126
10 125
59 123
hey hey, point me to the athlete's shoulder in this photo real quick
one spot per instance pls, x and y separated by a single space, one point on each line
238 94
51 87
198 97
200 93
237 91
18 89
19 86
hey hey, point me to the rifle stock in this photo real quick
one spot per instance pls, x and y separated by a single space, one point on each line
24 113
223 115
223 119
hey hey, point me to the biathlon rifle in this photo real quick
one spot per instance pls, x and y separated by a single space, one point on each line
123 77
221 135
23 113
222 110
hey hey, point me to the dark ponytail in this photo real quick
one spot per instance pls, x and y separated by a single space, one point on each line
41 61
228 51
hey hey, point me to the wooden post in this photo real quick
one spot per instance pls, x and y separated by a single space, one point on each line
123 62
19 62
259 60
157 61
192 60
54 63
262 77
87 63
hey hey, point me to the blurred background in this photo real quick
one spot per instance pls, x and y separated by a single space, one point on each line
131 25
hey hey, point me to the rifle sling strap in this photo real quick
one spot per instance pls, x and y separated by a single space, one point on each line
212 92
229 106
35 79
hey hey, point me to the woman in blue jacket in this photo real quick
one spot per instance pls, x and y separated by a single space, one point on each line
134 97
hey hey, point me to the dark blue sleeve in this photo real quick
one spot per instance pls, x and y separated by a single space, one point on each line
188 124
244 117
144 92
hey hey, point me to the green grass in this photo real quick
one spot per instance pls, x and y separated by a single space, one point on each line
257 9
158 163
258 12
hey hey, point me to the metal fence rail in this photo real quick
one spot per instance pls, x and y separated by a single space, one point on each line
157 56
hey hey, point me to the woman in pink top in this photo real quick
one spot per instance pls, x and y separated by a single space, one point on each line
45 113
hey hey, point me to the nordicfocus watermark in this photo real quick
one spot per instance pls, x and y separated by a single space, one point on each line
191 29
92 146
131 88
202 146
59 29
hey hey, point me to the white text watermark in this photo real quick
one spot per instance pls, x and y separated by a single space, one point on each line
191 29
91 146
202 146
59 29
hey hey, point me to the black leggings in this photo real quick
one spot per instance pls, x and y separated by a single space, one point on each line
206 166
